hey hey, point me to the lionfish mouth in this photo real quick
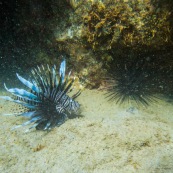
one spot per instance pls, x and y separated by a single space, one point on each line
48 104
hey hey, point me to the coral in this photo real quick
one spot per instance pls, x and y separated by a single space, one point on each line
83 62
103 26
75 3
98 31
128 23
86 30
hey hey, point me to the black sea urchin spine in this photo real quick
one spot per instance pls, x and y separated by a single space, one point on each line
132 81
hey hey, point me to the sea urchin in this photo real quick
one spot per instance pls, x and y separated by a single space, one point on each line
132 81
48 104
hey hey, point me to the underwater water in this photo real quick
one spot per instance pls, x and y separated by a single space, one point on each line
130 133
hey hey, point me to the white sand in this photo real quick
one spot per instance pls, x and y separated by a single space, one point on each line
108 139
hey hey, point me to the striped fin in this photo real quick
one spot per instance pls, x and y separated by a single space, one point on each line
28 130
50 79
7 98
54 76
76 95
27 123
18 101
25 99
25 104
28 84
21 92
62 70
10 114
47 125
39 79
25 114
28 114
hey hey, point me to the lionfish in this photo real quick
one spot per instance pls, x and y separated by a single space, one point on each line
47 103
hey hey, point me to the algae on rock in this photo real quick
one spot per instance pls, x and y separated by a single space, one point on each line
95 28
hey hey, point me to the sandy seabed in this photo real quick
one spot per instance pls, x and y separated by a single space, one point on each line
109 138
